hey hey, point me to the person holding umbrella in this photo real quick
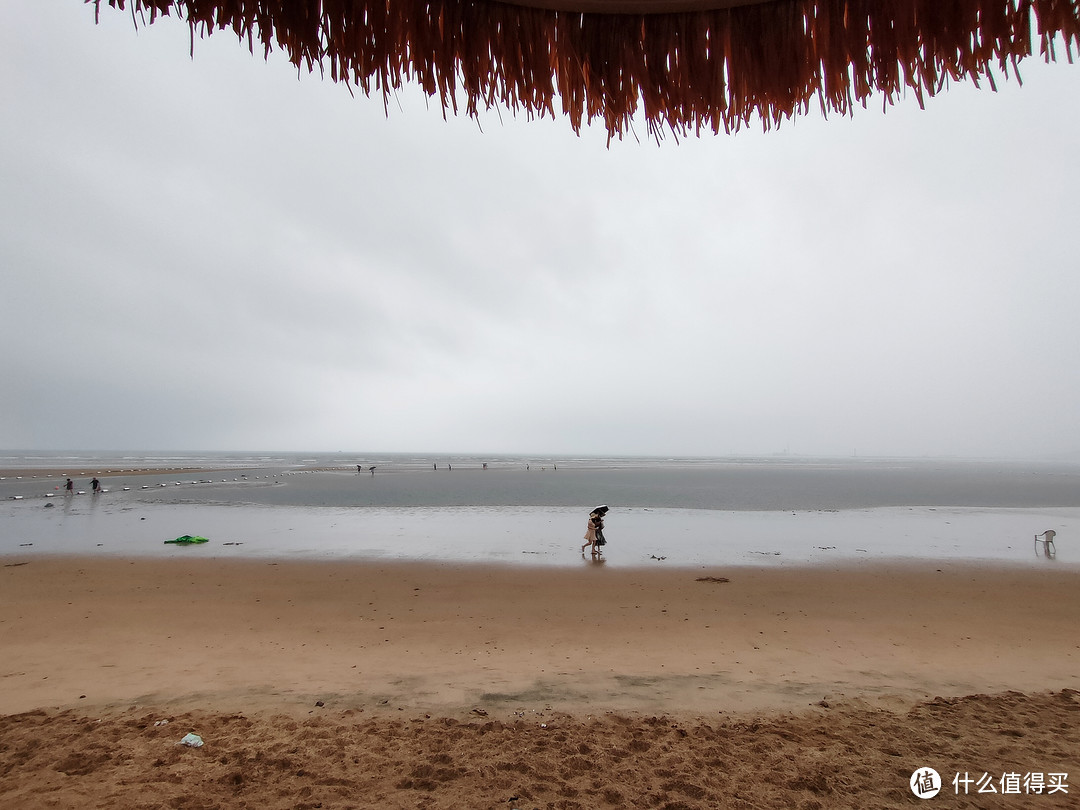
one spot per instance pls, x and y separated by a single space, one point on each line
594 532
600 512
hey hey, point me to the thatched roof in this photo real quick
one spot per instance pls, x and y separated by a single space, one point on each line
687 65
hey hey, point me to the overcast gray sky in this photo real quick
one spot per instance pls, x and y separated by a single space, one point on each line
217 253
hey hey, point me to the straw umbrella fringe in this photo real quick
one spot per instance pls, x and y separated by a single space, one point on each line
687 69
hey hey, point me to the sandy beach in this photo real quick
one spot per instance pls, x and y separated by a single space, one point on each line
409 684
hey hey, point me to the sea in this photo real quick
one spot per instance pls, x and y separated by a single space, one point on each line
707 513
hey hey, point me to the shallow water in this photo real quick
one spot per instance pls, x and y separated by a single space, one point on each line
692 512
532 535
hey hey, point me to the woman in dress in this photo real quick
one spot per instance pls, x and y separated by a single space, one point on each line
590 534
594 531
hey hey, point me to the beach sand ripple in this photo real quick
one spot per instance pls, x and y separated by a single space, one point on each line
845 756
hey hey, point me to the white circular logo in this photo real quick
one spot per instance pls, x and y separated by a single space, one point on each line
925 783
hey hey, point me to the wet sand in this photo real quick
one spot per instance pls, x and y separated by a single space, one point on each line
407 684
450 636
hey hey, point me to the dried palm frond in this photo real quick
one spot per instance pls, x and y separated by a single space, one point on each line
687 65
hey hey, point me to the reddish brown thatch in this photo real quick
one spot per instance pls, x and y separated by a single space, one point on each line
688 65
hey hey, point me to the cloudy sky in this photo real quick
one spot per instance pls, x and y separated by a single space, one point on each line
217 253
